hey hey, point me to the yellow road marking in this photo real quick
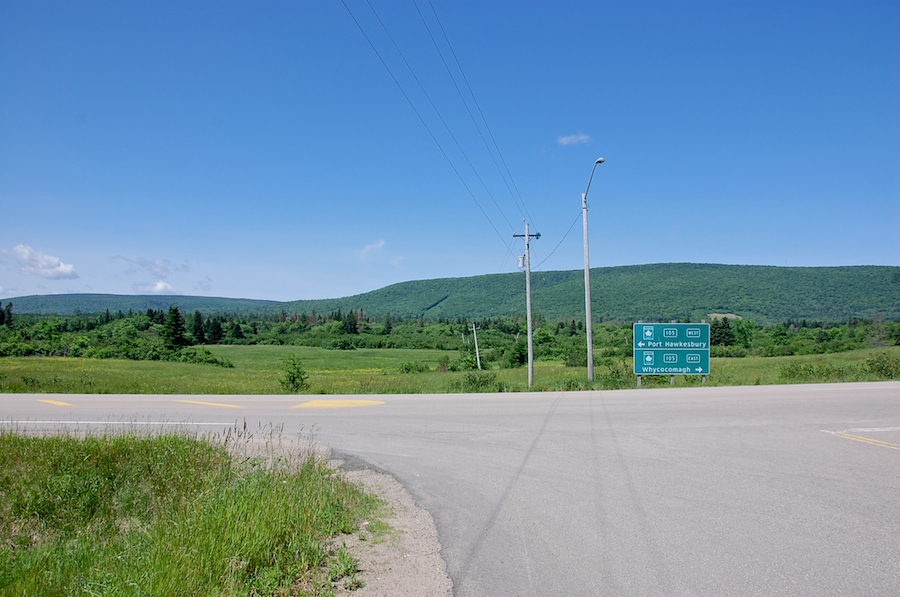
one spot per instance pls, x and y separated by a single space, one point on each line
56 402
867 440
210 403
337 403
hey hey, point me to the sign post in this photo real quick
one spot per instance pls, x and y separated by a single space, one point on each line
671 349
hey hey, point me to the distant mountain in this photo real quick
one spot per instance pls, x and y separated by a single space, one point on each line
664 291
67 304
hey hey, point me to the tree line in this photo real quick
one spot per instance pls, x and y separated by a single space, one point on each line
158 334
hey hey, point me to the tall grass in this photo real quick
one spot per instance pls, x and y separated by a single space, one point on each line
168 515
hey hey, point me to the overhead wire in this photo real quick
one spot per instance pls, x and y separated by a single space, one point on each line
477 105
422 120
436 110
520 203
507 178
575 221
462 97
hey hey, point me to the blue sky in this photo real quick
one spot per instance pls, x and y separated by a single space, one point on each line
263 150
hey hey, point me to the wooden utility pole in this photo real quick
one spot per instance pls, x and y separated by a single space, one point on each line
528 238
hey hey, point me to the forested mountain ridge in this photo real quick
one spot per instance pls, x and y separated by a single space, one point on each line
765 294
68 304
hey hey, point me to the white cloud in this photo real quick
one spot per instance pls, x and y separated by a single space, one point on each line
205 284
373 247
40 264
158 288
574 139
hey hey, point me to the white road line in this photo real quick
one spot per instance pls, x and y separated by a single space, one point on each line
863 430
133 423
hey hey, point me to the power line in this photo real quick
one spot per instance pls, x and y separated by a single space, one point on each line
422 120
575 221
436 111
477 105
463 99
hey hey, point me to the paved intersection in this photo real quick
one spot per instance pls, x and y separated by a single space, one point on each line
773 490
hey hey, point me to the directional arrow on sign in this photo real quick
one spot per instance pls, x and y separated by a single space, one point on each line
641 344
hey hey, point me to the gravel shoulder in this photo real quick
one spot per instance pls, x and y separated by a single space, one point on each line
406 562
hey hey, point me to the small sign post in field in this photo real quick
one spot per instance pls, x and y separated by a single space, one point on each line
671 349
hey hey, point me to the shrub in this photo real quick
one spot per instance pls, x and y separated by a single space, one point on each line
414 367
478 381
618 375
341 344
467 362
199 354
294 377
884 365
801 372
575 357
517 354
728 351
14 348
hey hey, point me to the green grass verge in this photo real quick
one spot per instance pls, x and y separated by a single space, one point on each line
258 370
169 515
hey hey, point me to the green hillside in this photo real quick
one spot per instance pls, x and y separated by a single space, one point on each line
668 291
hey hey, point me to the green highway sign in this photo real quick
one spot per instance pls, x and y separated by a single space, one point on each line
671 349
671 362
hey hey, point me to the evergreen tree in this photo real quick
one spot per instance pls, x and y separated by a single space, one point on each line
720 332
174 331
388 325
236 332
197 328
349 323
214 331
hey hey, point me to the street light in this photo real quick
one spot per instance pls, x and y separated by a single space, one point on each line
587 279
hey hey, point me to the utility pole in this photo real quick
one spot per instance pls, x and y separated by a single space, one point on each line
587 280
528 238
477 356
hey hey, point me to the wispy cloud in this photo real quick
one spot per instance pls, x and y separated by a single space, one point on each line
32 261
574 139
205 284
373 247
158 288
160 268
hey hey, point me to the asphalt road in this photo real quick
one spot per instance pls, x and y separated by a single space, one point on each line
772 490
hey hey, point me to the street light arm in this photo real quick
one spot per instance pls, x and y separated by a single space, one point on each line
584 197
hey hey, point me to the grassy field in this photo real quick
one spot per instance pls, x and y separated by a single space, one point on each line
130 515
258 370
